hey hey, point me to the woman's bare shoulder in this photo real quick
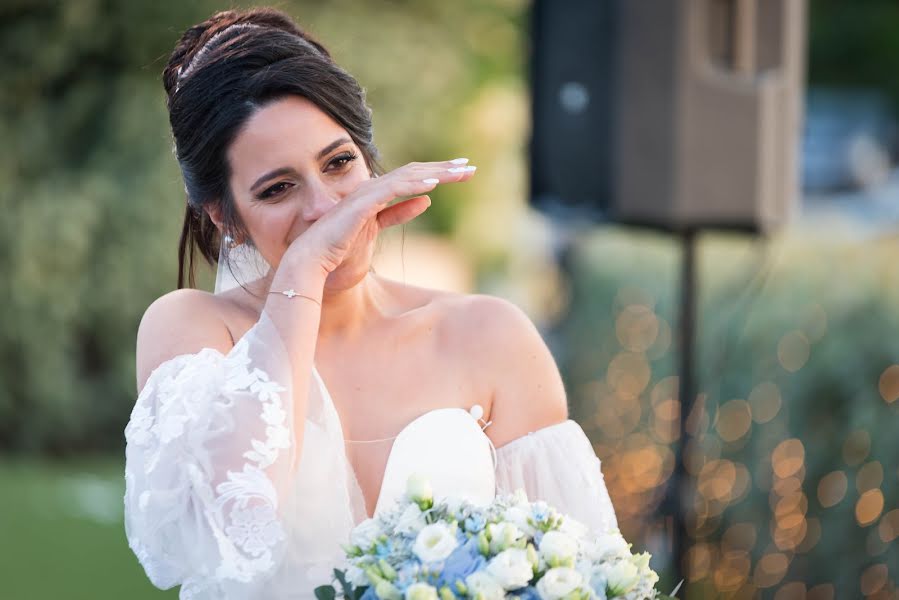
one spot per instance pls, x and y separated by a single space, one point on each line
510 357
182 321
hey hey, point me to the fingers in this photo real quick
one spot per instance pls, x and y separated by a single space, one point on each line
431 174
413 180
403 212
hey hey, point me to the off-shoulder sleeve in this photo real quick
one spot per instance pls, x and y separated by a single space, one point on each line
210 453
557 464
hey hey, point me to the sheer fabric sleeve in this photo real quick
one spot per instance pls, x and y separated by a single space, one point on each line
557 464
210 455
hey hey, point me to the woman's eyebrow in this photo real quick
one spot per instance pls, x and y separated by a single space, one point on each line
285 170
277 172
332 145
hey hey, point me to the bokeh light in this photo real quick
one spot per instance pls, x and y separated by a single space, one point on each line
873 579
788 457
795 590
869 477
793 351
637 327
889 384
869 507
832 488
765 401
734 420
732 571
629 374
889 527
770 569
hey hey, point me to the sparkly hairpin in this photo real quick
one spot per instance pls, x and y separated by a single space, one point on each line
185 70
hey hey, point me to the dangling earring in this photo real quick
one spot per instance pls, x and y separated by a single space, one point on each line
229 241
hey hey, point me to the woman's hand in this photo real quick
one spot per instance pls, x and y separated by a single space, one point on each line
357 220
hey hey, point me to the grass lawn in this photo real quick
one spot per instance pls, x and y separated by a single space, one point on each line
62 533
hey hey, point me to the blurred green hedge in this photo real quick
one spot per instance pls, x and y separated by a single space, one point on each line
794 452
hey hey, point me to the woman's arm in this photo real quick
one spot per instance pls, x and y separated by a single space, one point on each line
527 389
214 441
538 448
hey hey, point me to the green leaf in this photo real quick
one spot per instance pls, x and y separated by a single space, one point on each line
344 584
325 592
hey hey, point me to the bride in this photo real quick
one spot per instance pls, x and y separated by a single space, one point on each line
293 403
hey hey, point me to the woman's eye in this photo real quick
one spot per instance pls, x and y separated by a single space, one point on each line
274 190
343 160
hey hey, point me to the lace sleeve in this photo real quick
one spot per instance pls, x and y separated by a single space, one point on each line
557 464
210 453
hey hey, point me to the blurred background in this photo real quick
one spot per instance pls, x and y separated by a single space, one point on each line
731 161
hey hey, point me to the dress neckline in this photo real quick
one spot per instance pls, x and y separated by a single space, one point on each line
396 438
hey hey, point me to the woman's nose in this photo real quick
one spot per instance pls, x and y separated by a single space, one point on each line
318 201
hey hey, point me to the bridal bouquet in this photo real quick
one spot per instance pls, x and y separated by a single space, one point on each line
509 549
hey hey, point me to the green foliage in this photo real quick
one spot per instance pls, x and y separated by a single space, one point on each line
854 44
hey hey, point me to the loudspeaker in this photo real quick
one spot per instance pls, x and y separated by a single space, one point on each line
668 113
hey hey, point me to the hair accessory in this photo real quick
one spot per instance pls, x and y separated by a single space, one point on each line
185 70
291 293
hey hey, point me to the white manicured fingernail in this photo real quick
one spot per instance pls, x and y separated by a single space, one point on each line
462 169
430 181
459 161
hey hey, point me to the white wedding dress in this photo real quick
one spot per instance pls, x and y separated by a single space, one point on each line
220 500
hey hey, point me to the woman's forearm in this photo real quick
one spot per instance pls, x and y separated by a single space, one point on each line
297 321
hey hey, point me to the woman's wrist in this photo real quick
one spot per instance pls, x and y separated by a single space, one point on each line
305 276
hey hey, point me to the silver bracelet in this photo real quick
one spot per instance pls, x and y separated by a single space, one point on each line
291 293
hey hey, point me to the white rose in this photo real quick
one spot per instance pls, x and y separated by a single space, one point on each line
421 591
387 591
573 527
502 535
519 516
511 569
482 583
365 533
453 503
418 488
520 498
411 520
620 577
356 576
558 582
556 547
434 542
608 546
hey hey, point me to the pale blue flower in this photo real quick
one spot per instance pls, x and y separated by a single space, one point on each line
598 583
369 594
463 561
540 512
384 549
529 593
475 523
407 574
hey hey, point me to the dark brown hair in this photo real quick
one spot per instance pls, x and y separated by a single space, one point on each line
221 72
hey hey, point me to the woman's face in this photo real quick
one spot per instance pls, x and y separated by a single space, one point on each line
290 164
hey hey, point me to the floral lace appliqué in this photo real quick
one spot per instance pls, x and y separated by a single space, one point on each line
187 402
